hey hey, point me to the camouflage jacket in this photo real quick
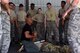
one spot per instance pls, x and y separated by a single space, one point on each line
4 24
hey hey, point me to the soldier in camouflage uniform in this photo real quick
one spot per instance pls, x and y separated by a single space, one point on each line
74 26
32 11
61 28
5 22
51 23
12 21
21 19
40 24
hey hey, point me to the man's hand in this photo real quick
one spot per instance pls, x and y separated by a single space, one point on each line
57 21
57 25
64 15
35 34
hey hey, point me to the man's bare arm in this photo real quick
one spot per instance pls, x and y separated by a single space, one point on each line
27 35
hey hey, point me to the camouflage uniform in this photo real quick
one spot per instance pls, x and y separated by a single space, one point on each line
40 25
51 24
21 21
12 17
74 29
5 38
61 31
66 24
32 12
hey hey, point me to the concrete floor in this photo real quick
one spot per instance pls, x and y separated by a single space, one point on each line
14 48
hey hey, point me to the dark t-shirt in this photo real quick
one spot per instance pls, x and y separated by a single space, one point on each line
27 27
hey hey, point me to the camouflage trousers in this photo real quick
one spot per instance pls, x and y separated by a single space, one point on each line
40 30
13 32
52 31
74 30
66 32
5 38
5 43
21 25
63 32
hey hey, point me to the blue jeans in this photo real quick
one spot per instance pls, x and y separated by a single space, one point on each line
29 46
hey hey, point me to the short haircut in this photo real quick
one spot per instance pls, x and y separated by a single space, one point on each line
32 4
11 3
48 3
21 5
39 8
63 2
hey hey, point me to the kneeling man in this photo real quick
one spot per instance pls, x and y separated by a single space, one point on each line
28 36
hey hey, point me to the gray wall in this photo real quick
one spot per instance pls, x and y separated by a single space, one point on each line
38 3
42 3
17 2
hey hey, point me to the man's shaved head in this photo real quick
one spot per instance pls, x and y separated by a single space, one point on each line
4 1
